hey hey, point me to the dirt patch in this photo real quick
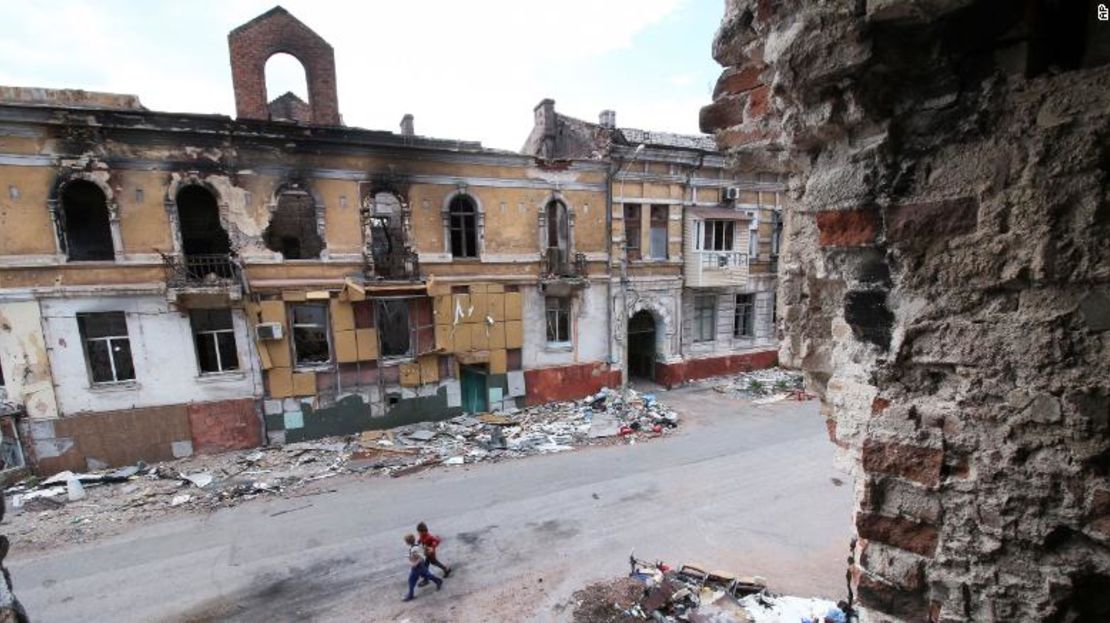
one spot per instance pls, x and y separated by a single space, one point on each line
605 602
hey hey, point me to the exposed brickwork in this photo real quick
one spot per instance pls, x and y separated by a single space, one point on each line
225 425
253 43
910 462
672 374
912 536
737 80
848 228
932 220
568 382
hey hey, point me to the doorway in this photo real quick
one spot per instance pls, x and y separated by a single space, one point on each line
474 388
641 345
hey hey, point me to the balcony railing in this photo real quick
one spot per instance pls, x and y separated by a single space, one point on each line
201 270
399 265
722 259
558 264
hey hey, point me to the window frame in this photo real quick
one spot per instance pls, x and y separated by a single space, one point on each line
659 221
326 328
700 309
469 215
110 340
633 221
562 319
744 316
707 230
214 333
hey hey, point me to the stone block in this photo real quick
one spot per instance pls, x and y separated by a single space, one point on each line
912 536
723 113
738 79
847 228
932 220
903 569
915 463
1095 309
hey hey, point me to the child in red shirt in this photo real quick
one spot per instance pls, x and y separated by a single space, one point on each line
430 543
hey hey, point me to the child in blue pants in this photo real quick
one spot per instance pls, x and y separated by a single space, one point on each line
418 567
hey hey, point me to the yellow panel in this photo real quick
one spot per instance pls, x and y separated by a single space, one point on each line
281 382
462 338
264 356
481 307
318 295
498 361
514 334
479 338
346 346
462 301
444 339
342 316
279 353
497 335
304 384
429 369
293 295
410 374
495 306
478 288
444 309
367 340
273 311
513 306
495 288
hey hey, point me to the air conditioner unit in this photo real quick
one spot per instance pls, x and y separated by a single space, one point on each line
268 331
731 193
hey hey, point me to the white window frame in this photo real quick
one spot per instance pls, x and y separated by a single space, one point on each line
564 307
712 224
110 339
699 321
749 306
327 335
214 333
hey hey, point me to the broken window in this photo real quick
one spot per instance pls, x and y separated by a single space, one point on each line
406 326
705 317
107 347
660 214
204 241
310 334
743 322
558 319
214 337
292 230
463 214
632 231
88 231
716 235
385 234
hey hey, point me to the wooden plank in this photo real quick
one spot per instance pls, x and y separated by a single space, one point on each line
273 311
514 306
514 334
280 381
429 368
342 316
367 342
304 384
346 346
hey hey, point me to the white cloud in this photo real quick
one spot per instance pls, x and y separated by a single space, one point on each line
468 70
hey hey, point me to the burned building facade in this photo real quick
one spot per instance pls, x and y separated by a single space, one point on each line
944 282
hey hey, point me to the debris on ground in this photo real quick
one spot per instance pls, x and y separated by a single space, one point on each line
79 507
654 591
762 386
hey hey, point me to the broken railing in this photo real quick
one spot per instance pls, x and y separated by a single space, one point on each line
201 270
558 263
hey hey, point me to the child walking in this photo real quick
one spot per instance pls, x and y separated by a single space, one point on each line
430 543
418 567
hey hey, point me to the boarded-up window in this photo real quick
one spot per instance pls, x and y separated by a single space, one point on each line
107 347
632 231
463 226
705 317
214 337
310 334
659 218
87 230
743 322
292 230
558 319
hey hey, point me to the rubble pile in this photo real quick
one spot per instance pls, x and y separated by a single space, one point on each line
78 507
767 385
691 594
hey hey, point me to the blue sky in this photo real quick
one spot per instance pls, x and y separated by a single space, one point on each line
468 70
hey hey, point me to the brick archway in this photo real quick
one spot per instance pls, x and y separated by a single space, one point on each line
274 32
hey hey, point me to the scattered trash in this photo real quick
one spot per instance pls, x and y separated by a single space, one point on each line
74 490
178 500
763 386
200 479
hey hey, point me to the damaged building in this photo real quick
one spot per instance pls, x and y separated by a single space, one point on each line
178 283
945 282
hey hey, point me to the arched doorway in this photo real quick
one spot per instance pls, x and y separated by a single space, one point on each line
641 345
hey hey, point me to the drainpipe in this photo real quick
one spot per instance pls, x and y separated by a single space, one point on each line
693 199
624 283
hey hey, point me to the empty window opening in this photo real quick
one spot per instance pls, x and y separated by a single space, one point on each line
310 334
660 214
292 230
107 347
558 238
632 231
705 317
464 226
558 319
287 89
214 337
201 231
406 326
385 234
743 323
88 232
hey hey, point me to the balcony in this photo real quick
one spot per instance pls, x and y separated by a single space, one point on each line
401 265
201 281
716 268
561 273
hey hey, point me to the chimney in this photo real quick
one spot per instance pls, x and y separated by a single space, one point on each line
608 119
545 118
407 128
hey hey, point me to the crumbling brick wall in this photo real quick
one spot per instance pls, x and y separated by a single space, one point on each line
945 282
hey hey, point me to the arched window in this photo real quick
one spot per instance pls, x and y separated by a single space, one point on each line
287 89
463 227
292 230
558 229
199 216
88 232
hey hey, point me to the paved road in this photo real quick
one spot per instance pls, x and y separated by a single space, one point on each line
739 487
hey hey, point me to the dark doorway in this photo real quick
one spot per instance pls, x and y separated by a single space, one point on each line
475 389
88 232
201 231
641 346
